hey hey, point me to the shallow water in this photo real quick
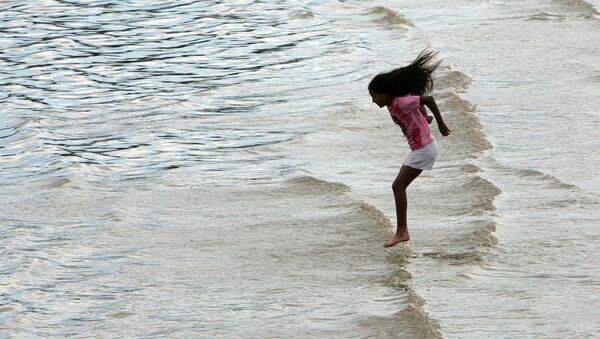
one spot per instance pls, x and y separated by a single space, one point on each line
535 100
199 168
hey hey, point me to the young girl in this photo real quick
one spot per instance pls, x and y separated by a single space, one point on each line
402 91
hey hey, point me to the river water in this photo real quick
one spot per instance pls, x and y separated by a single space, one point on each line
217 169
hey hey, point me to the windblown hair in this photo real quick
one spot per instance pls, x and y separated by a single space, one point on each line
412 79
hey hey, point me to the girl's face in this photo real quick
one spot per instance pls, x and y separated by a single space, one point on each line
381 99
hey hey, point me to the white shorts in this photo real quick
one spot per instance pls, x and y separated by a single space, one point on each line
423 158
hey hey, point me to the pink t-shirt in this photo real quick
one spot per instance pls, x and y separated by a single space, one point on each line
405 112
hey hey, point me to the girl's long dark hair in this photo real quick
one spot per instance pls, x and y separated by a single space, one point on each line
412 79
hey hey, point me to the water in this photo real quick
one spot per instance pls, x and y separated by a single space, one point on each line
217 169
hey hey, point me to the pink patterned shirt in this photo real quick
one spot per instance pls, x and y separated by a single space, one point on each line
405 112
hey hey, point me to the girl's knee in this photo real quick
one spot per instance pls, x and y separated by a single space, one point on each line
398 186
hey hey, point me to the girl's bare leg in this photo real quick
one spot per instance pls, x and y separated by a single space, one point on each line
404 178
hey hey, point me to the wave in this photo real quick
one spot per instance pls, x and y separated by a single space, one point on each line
484 236
455 80
468 139
389 16
375 214
570 195
467 247
570 202
482 192
588 9
478 199
379 224
314 185
422 326
535 174
470 168
59 183
472 196
543 16
470 200
302 14
554 181
309 184
426 327
467 134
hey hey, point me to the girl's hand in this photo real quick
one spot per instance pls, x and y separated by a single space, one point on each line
429 101
444 130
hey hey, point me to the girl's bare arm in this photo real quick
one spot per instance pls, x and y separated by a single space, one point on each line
429 101
427 117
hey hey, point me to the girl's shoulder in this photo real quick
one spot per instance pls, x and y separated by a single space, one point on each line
406 102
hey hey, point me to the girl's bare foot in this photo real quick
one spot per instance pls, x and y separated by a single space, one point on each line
402 237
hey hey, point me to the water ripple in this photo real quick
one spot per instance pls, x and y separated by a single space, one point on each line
105 81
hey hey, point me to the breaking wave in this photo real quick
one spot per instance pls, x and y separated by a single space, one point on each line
379 224
389 16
